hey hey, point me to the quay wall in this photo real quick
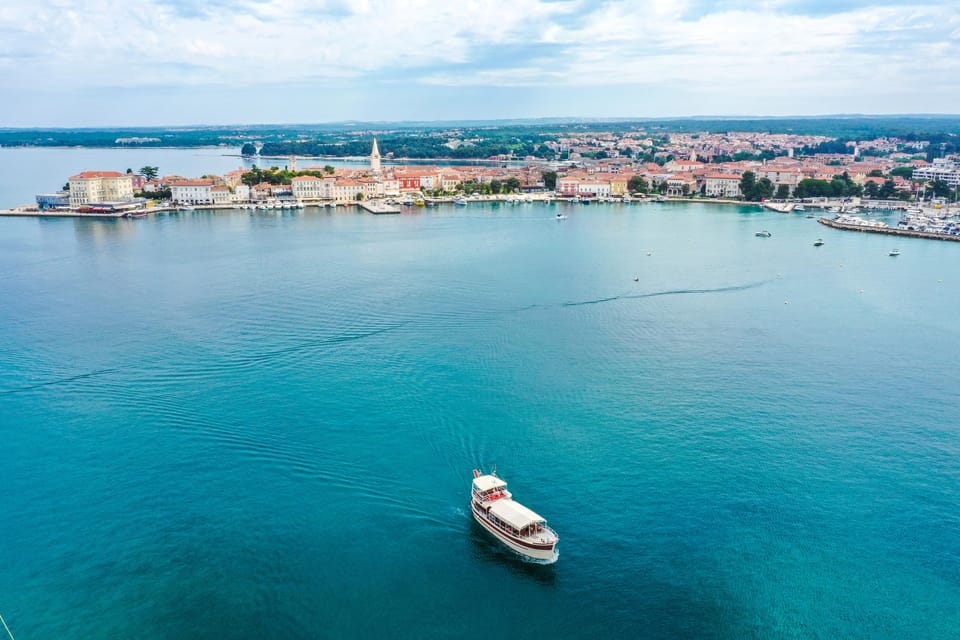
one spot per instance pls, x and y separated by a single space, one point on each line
906 233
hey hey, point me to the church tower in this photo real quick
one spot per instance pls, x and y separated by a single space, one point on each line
375 158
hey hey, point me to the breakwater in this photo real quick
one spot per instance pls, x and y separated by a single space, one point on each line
846 226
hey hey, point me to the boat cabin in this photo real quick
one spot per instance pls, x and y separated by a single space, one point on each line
489 487
515 519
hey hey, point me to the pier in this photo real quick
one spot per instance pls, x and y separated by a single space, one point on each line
890 231
378 207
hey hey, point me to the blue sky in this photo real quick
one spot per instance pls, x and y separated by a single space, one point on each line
170 62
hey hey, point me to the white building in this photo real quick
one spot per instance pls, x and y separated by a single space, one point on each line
92 187
192 192
595 188
312 188
722 185
941 169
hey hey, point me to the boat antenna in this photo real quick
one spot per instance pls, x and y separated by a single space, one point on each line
6 627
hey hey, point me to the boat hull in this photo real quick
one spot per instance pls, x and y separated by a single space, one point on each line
546 554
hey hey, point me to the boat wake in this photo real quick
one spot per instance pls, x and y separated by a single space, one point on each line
669 292
61 381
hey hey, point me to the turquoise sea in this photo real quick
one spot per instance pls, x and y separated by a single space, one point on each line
240 425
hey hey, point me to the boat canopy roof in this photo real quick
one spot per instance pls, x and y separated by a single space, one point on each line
514 513
487 482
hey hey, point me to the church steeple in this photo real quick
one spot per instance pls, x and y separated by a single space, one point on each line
375 157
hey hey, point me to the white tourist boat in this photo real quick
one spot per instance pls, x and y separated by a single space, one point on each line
510 522
763 234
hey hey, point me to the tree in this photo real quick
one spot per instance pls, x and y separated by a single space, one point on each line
941 189
329 169
248 149
763 190
637 185
513 184
495 186
871 189
748 184
150 173
887 191
129 171
783 192
550 180
359 195
876 173
903 172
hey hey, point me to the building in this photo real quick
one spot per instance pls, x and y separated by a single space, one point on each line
722 185
98 187
311 187
941 169
192 192
58 200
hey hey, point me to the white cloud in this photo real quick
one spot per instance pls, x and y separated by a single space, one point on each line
772 49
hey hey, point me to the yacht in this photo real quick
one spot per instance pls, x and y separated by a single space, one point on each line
818 243
763 234
799 207
895 252
514 525
560 216
460 201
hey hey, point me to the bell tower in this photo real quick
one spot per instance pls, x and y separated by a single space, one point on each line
375 158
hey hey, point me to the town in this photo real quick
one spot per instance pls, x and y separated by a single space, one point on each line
771 168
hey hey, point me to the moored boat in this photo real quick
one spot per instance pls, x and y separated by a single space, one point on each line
513 524
763 234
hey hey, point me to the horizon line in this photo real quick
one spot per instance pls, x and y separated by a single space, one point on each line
518 120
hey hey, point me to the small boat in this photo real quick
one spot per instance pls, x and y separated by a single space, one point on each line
514 525
895 252
810 216
818 243
763 234
560 216
799 207
460 201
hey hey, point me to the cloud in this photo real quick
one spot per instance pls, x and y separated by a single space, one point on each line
772 51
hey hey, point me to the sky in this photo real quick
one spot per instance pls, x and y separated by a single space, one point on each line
72 63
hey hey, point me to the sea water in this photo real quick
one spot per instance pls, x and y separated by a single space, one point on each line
262 425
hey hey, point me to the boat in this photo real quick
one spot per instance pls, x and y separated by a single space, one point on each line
818 243
810 216
799 207
763 234
895 252
460 201
513 524
560 216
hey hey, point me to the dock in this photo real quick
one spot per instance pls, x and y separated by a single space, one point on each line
378 207
890 231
